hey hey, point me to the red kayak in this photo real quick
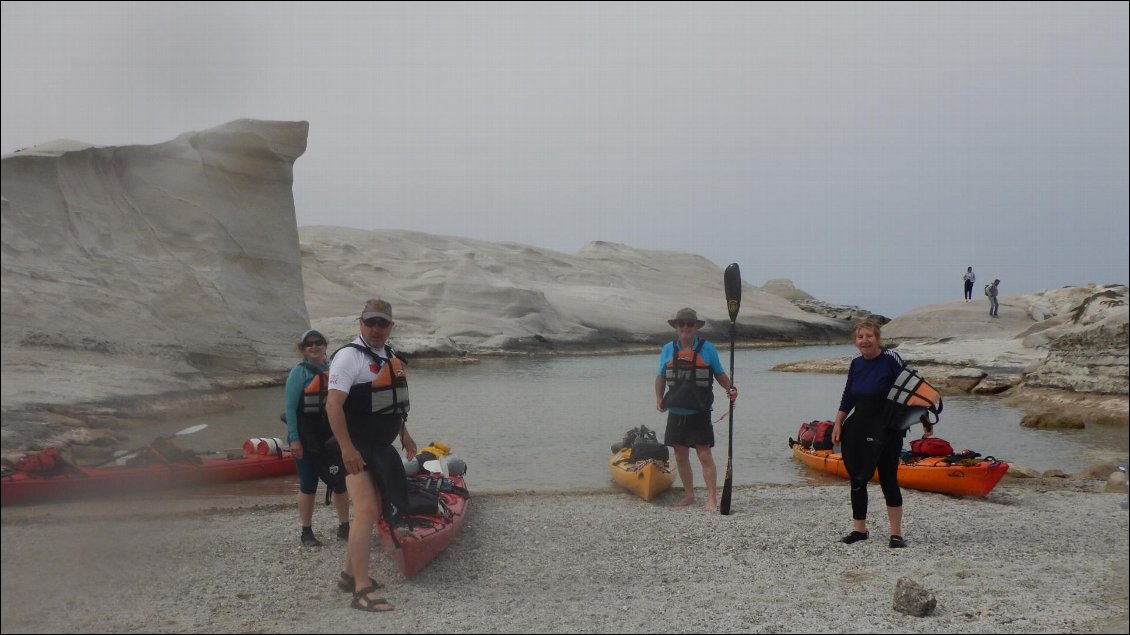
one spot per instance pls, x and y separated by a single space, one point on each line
421 537
72 481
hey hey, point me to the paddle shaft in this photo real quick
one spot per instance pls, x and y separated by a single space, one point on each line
733 283
149 446
728 485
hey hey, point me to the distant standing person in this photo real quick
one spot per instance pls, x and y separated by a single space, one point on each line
307 431
688 367
368 408
993 290
867 440
969 279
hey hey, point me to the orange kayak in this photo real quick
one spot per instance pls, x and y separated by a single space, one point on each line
646 479
931 474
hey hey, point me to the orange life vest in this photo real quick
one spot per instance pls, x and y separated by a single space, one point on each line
690 380
387 394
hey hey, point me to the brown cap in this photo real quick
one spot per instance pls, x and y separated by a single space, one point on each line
377 308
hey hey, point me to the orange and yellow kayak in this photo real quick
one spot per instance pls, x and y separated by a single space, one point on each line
646 479
931 474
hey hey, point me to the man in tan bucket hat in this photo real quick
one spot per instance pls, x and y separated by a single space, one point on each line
688 367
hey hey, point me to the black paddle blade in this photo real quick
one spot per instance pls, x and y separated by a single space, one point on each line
733 278
727 490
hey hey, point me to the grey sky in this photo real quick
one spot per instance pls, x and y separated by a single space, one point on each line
869 152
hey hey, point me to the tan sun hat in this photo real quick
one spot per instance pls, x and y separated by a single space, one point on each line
686 314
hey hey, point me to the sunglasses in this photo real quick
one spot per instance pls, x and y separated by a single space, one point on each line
377 322
685 324
312 343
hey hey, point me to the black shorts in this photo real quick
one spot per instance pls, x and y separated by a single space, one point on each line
689 430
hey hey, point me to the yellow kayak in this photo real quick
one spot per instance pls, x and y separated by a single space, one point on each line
646 479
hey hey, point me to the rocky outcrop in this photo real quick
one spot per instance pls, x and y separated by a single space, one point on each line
1087 347
1062 354
783 287
453 295
136 272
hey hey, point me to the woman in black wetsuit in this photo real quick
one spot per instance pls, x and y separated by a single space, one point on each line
867 441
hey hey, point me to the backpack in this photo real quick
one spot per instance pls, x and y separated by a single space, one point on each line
816 435
931 446
645 446
424 495
987 288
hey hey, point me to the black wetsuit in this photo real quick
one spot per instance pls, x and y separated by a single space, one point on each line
866 439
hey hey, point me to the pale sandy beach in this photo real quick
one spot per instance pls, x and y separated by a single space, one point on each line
1036 556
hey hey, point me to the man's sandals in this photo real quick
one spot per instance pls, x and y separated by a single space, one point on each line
345 583
362 601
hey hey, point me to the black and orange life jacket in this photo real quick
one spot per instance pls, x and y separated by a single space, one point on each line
384 396
313 426
690 380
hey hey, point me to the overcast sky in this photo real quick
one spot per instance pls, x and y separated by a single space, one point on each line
869 152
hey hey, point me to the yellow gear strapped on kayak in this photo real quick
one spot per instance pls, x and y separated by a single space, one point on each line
437 449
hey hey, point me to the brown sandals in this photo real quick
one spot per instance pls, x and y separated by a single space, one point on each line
362 601
345 583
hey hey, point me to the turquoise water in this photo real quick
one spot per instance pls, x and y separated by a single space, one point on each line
546 423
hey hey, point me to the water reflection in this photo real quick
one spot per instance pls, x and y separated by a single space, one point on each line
546 423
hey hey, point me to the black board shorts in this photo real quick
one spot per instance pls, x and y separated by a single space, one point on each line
689 430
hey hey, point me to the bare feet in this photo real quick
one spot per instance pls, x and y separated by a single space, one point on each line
683 502
711 506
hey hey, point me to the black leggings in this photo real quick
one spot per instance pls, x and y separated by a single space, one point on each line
863 452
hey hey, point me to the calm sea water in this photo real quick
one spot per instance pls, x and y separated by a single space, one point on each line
547 423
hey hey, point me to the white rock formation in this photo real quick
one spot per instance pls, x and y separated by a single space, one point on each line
1073 339
135 274
453 295
148 270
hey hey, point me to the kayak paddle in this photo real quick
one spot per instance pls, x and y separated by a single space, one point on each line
733 282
